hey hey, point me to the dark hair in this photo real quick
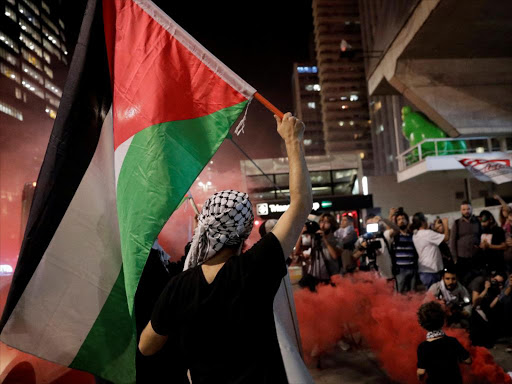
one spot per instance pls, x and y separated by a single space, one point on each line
431 316
417 220
465 202
499 273
449 268
401 213
349 218
369 217
488 215
332 220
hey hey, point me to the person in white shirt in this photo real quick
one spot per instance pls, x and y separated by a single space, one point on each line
427 241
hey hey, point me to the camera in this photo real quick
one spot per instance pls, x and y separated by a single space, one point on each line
495 288
312 227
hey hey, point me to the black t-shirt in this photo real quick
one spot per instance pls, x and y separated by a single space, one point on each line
492 259
440 358
226 329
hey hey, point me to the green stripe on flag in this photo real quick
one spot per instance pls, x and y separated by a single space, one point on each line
160 166
111 339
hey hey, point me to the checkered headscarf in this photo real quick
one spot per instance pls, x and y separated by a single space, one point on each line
226 219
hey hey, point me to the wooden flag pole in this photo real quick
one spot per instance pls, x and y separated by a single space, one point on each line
268 105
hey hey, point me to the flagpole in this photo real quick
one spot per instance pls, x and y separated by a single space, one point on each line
268 105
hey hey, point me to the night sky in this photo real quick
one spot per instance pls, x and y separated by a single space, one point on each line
258 40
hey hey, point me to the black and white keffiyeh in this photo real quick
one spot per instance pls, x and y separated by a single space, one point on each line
226 219
435 334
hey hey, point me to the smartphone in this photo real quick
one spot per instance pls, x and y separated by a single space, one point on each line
372 228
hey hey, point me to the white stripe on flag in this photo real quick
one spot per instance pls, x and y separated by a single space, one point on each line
78 270
119 156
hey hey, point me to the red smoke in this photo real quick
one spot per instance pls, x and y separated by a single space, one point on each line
386 321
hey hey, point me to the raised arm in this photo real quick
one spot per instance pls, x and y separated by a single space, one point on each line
289 226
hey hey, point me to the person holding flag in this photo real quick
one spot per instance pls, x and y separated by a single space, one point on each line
219 309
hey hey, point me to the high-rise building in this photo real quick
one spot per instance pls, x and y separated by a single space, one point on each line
308 106
33 55
33 67
341 73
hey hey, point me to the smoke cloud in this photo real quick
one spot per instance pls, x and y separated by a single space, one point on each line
387 322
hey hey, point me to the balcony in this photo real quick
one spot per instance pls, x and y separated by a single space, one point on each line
433 155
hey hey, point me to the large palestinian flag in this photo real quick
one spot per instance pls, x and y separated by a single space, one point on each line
145 108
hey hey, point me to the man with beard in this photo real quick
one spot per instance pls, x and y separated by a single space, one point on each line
347 237
405 257
455 296
465 241
325 253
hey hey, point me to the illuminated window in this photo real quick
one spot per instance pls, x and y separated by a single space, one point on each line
51 36
344 106
9 72
32 87
361 155
61 23
313 87
27 28
31 59
18 93
354 97
45 7
312 105
33 74
8 57
341 123
51 25
48 71
52 49
9 42
377 106
9 12
52 87
51 112
51 99
30 44
308 141
343 98
301 69
11 111
29 15
32 6
12 2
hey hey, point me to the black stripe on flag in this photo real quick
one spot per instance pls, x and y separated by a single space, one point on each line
84 105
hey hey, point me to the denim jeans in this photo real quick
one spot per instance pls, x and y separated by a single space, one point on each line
406 278
428 278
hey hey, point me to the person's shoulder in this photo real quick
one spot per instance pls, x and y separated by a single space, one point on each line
269 241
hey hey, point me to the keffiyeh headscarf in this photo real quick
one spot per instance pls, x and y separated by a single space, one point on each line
226 219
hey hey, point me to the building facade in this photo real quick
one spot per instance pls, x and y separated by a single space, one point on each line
33 66
341 73
307 104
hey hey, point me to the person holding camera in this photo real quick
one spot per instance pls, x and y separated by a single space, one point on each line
455 296
373 248
321 248
491 300
347 237
404 255
426 241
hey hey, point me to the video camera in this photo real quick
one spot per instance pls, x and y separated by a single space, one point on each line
373 244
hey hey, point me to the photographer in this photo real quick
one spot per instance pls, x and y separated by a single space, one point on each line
319 246
374 247
347 237
404 256
490 296
455 297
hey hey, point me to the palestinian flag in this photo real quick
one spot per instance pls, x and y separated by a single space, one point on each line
144 109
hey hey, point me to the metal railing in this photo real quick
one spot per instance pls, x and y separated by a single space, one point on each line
475 144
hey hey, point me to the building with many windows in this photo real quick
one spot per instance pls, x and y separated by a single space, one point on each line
308 106
33 66
342 83
33 55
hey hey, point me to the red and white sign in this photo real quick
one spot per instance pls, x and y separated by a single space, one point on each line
497 169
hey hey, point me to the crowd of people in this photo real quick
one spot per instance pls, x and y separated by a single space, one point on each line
467 267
